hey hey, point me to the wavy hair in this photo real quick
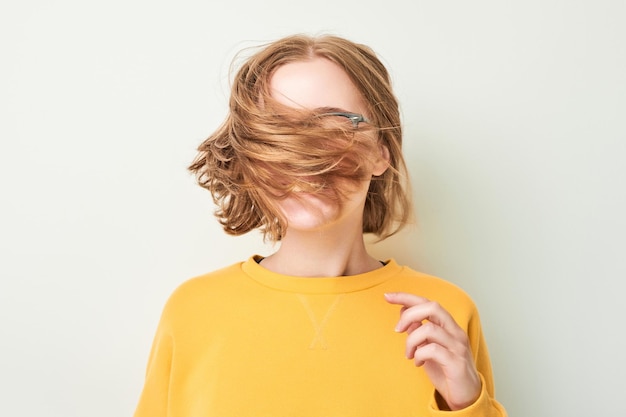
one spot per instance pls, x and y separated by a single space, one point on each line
265 151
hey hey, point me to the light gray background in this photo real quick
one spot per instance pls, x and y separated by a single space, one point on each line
515 137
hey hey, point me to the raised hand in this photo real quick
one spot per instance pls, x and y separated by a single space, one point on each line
436 342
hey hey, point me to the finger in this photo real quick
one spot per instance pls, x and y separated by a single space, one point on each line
431 311
413 326
431 333
405 299
435 353
454 377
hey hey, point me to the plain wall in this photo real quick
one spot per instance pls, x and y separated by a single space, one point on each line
515 137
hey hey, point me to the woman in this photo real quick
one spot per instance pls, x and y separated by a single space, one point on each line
310 154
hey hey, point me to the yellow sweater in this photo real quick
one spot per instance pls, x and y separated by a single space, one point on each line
244 341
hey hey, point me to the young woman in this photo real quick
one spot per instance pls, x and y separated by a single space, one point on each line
310 154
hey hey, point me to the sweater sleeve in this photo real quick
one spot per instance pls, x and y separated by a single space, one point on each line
153 401
486 404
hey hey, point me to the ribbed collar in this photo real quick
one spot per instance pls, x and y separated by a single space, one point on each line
319 285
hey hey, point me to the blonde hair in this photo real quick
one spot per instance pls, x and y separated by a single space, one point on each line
265 151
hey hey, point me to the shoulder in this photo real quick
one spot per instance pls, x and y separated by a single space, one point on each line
200 294
449 295
211 281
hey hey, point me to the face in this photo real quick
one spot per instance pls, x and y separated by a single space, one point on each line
312 84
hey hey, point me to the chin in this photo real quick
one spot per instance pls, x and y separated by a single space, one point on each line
309 212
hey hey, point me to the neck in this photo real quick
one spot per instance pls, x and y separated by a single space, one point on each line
325 253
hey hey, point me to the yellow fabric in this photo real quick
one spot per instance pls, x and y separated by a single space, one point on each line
244 341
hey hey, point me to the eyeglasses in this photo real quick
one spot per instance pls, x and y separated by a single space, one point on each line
355 118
